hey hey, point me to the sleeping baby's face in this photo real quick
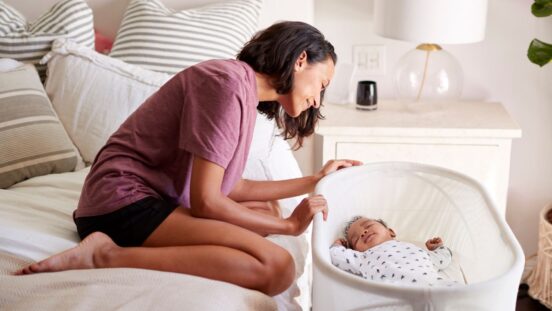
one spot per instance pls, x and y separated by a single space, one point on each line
366 233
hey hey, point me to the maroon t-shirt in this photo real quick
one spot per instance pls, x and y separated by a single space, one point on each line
207 110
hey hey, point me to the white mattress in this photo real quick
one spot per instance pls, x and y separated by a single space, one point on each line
36 222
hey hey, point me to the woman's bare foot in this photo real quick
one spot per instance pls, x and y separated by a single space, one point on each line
79 257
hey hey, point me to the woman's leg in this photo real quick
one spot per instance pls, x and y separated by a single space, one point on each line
189 245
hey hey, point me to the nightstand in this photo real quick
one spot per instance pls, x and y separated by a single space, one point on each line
473 138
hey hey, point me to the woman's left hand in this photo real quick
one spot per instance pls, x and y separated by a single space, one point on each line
334 165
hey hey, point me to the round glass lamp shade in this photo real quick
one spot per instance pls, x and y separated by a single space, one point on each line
428 73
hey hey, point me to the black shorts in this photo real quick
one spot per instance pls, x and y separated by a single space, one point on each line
130 225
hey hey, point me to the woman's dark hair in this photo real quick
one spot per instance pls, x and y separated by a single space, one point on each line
273 52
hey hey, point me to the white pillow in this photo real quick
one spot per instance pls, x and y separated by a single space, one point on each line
271 158
93 93
8 64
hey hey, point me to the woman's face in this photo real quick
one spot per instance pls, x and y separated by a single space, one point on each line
366 233
308 81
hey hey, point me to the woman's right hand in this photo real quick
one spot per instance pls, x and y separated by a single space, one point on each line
304 212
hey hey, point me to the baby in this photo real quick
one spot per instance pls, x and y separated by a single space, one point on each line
371 251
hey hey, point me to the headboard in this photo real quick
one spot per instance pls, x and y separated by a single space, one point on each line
109 13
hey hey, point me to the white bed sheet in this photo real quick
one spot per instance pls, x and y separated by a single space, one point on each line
36 222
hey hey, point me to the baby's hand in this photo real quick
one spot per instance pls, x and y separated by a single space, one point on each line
340 242
434 243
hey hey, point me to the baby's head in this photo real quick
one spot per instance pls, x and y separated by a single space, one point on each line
364 233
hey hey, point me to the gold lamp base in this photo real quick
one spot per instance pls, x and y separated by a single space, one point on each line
429 47
428 73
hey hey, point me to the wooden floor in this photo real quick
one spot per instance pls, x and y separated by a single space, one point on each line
526 303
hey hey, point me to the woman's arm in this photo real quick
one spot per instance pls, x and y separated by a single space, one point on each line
268 190
207 201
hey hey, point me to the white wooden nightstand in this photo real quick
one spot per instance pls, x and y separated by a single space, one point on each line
470 137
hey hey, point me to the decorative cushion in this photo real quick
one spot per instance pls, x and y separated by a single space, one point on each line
29 42
33 141
158 38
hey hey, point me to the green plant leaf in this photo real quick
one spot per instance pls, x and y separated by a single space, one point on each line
542 8
539 52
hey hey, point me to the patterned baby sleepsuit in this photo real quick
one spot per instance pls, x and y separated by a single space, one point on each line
396 262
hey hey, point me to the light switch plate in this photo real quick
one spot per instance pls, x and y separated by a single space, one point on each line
369 59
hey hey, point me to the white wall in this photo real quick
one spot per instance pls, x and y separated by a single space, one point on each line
496 69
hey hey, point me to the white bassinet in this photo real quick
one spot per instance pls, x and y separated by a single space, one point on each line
419 202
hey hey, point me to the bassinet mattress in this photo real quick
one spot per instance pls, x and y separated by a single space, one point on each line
36 221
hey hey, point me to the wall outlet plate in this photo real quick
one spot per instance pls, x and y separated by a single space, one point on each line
369 59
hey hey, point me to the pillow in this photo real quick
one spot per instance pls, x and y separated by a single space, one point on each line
29 42
93 93
161 39
33 140
8 64
271 158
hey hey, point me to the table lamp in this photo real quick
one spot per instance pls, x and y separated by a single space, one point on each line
429 72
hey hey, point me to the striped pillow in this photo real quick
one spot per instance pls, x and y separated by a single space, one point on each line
33 140
161 39
29 42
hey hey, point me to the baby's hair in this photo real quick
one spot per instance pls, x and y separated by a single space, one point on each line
355 218
348 225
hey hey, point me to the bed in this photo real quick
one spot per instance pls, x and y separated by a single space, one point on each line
70 116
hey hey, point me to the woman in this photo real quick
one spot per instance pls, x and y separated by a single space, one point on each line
186 146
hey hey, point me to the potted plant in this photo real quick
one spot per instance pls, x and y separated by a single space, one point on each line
540 279
540 52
